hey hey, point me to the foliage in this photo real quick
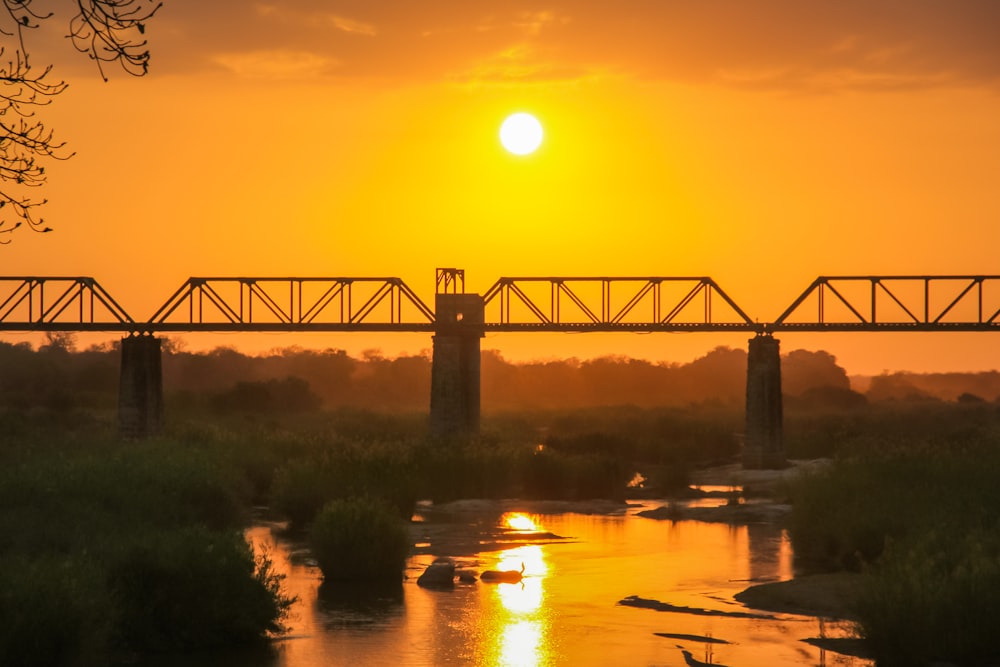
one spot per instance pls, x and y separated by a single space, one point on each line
359 539
932 598
548 474
56 610
289 396
109 546
920 519
338 470
194 589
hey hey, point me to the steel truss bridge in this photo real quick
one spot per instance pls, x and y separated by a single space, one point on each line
569 304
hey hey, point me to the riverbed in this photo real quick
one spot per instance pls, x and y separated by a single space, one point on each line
601 586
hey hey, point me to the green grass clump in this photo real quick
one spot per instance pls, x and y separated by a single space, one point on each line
357 539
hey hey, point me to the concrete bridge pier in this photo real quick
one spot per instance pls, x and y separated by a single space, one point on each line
455 394
763 445
140 389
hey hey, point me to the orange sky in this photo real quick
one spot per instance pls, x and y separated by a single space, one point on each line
761 144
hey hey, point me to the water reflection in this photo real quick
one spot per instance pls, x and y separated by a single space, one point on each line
525 596
358 603
521 644
518 521
565 609
520 623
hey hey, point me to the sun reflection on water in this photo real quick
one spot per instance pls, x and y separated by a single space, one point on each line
521 644
521 622
518 521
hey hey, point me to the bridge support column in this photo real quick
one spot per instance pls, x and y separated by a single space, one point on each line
140 390
455 389
763 446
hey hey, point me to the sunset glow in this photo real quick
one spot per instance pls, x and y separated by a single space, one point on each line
480 333
677 142
521 133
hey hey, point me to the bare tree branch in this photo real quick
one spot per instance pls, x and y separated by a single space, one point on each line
108 31
111 31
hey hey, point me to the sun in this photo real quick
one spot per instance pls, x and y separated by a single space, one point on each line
521 133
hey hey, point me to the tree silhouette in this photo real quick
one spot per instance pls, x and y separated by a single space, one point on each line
109 32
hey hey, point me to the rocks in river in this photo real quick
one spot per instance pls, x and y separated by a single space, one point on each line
439 574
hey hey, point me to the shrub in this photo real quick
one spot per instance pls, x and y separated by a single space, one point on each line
934 599
449 471
359 539
194 589
55 611
302 487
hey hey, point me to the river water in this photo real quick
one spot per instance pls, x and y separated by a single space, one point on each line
566 610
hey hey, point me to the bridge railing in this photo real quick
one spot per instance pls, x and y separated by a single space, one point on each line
612 304
895 303
59 303
293 304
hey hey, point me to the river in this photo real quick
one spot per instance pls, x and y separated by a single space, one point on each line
567 610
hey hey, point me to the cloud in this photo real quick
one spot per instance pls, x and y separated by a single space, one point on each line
781 44
352 26
276 64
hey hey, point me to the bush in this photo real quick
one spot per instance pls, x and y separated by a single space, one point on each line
921 520
934 599
358 539
550 475
449 470
302 487
55 611
290 396
193 589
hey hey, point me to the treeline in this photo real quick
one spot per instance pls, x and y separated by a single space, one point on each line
964 387
56 375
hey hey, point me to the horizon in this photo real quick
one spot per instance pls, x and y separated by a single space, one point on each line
761 146
82 341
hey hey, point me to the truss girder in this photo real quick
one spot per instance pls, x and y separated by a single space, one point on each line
59 303
293 304
580 304
611 304
895 303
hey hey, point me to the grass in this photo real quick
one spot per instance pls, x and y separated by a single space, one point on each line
110 548
918 514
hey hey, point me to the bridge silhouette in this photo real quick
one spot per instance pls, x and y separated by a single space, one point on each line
919 303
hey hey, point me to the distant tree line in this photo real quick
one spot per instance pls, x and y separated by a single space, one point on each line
57 375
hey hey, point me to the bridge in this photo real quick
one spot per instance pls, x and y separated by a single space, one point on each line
459 320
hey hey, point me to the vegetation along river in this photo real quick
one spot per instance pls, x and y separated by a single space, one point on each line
608 587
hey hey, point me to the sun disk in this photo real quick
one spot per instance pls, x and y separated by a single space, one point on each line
521 133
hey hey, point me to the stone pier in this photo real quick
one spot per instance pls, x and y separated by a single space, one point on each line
763 445
140 390
459 326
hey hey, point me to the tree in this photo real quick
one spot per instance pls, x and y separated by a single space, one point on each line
109 32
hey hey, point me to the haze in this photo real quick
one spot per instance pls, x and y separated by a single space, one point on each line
761 145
